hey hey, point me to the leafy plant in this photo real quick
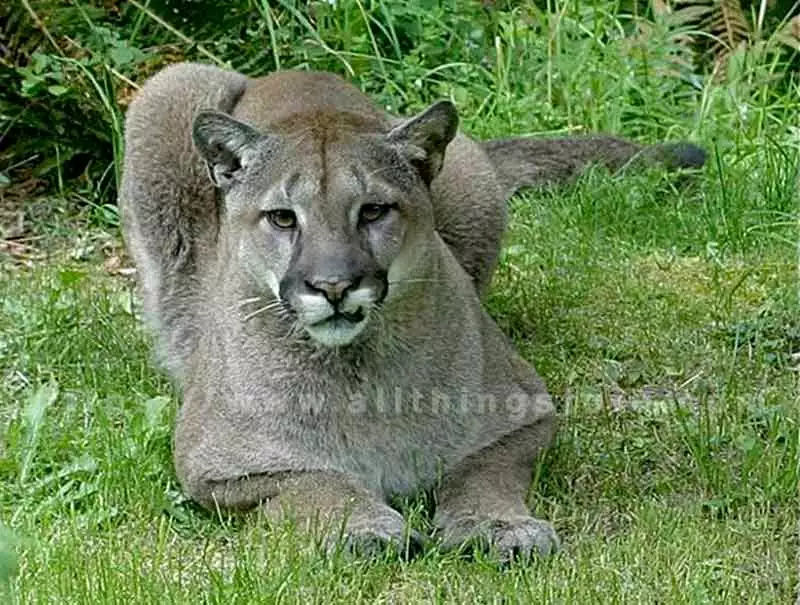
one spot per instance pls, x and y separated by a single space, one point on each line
721 27
71 67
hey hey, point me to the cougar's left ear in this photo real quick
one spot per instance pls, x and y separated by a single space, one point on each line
224 143
424 137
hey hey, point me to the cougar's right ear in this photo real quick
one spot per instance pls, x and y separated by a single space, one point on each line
424 138
224 144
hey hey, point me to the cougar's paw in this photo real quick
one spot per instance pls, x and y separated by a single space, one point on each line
373 537
515 538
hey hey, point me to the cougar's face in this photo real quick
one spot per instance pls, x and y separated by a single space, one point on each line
324 245
320 226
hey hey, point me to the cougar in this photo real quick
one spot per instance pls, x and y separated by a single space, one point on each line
312 269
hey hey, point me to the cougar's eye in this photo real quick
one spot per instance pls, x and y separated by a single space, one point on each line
369 213
281 219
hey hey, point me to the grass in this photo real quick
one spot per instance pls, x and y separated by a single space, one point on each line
663 314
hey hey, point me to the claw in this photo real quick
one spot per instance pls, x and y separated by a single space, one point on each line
375 538
518 538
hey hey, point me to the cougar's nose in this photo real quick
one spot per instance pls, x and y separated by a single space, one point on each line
333 289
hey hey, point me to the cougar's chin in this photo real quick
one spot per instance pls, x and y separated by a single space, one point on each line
338 330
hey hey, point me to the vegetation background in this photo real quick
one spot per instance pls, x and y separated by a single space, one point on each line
663 313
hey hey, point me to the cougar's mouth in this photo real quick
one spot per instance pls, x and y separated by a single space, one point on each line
339 329
355 317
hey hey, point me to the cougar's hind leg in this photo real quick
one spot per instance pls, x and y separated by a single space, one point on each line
470 210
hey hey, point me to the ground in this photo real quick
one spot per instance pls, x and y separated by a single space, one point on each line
673 478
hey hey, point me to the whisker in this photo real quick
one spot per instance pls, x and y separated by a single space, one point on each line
295 330
377 171
247 301
270 306
416 281
255 313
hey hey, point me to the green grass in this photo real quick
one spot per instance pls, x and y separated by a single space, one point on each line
663 314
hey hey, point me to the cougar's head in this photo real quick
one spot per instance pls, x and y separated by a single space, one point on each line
324 218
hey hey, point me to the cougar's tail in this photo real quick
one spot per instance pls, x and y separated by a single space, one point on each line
524 162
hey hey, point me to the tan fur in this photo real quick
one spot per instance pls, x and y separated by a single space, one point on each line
414 387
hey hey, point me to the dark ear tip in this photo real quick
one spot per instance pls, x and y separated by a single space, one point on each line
445 106
684 155
446 112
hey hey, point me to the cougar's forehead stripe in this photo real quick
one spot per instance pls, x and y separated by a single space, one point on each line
282 193
289 185
360 177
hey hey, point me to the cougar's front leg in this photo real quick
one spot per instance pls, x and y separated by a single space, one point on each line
481 502
347 515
